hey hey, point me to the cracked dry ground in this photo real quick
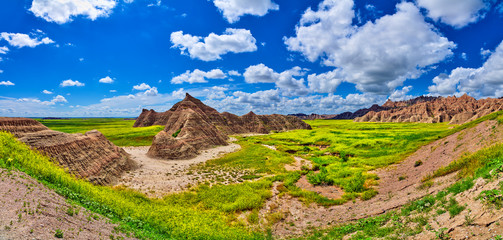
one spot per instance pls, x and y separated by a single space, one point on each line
392 192
32 211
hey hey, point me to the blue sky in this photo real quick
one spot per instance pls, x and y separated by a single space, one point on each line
111 58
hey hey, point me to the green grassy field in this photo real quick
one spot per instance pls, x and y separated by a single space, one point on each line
117 130
342 152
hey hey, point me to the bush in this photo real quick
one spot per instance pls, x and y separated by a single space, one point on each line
175 134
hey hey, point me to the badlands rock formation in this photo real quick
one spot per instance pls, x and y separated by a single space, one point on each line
90 156
433 110
191 126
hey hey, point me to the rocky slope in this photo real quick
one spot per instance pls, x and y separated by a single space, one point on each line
90 156
433 110
191 125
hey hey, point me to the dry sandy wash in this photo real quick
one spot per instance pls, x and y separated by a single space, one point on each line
157 177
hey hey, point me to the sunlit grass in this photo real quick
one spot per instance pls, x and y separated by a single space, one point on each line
117 130
343 151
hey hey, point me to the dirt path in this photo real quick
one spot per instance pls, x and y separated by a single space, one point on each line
29 210
156 177
394 191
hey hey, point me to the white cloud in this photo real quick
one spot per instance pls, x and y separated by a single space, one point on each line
215 92
47 92
234 9
63 11
214 46
454 12
198 76
485 81
4 50
59 99
234 73
24 40
485 53
113 91
81 59
400 95
325 82
403 45
285 80
464 56
178 94
106 79
142 86
71 83
151 92
6 83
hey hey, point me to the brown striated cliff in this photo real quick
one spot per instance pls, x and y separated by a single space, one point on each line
90 156
191 125
433 110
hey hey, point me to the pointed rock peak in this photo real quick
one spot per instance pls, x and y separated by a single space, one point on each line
251 113
189 97
465 97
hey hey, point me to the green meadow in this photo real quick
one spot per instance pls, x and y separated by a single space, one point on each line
342 153
117 130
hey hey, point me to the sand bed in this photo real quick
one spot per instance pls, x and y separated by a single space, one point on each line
157 177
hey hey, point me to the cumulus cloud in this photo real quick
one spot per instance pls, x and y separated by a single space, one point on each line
234 9
453 12
286 80
106 79
401 94
215 92
6 83
59 99
178 94
325 82
258 99
198 76
485 53
485 81
63 11
234 73
47 92
23 40
71 83
213 46
403 45
151 92
141 87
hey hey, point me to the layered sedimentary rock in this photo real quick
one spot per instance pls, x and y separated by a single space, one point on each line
455 110
191 126
90 156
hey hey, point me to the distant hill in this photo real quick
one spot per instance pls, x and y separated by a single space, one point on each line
455 110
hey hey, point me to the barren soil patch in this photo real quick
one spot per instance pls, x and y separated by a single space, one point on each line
156 177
